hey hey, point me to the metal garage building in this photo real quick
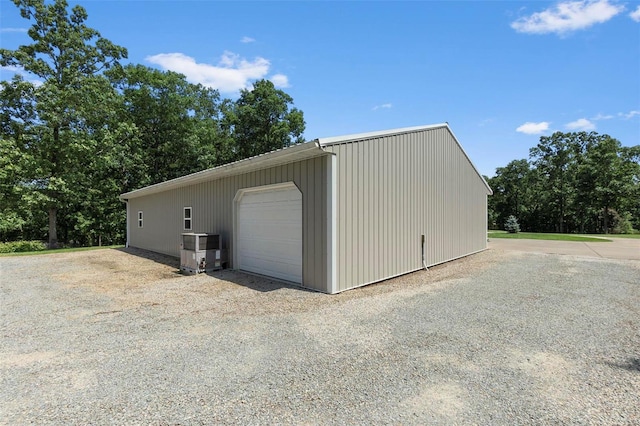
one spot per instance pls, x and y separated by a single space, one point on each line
331 214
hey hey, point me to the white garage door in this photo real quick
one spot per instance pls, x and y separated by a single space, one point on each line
269 233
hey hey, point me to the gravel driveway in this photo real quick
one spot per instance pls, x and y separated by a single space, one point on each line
109 337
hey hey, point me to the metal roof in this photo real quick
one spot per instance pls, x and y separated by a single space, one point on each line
293 153
370 135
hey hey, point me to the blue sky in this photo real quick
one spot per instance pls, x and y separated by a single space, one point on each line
501 73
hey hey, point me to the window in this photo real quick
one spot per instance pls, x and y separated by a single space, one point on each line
187 218
140 219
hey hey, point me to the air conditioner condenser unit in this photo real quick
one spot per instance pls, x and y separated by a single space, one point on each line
201 253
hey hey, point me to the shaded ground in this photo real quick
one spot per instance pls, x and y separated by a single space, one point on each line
499 337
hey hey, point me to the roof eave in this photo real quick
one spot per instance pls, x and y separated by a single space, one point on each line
270 159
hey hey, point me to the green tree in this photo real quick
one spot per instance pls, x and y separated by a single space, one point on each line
95 215
69 58
509 183
554 158
179 123
16 111
608 176
515 192
13 215
511 225
580 181
263 120
631 202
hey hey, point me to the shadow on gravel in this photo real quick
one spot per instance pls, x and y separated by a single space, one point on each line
633 364
255 282
163 259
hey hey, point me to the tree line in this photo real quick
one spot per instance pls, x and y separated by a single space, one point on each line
88 128
572 183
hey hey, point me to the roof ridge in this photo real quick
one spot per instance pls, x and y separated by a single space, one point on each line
368 135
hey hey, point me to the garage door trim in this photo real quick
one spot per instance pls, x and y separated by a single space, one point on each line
236 202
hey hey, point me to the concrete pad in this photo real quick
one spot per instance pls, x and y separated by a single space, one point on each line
618 248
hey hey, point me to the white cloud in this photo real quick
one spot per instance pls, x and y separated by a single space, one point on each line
568 16
601 116
13 30
281 81
246 39
635 15
12 68
629 115
19 70
385 106
581 124
231 74
531 128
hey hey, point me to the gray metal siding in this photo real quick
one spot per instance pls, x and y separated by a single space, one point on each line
393 189
212 204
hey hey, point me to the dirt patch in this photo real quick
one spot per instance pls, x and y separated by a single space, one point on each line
116 269
141 279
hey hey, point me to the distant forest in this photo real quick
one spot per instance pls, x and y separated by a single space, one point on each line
82 129
571 183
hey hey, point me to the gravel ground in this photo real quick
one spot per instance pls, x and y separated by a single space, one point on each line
110 337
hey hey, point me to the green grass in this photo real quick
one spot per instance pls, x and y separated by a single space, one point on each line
543 236
63 250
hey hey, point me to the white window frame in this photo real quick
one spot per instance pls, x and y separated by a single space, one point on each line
186 218
140 219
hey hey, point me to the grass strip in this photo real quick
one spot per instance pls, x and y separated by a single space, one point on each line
62 250
544 236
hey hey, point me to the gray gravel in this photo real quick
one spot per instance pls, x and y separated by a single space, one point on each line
497 338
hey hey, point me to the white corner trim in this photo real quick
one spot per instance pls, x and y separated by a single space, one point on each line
332 224
128 224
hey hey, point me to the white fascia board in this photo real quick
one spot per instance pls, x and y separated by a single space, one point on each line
293 153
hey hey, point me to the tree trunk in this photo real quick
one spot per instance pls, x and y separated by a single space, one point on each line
606 220
53 235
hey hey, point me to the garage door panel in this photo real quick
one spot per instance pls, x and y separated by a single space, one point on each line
270 267
269 234
269 248
272 251
279 230
278 195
